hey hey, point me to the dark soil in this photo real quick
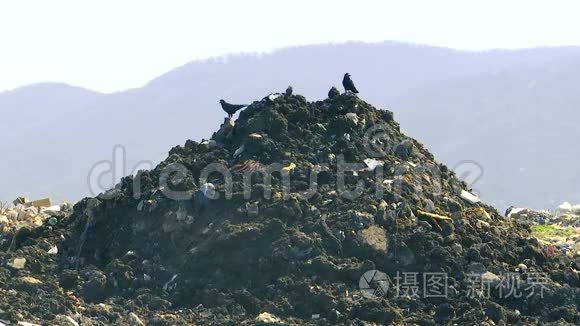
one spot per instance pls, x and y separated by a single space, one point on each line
295 256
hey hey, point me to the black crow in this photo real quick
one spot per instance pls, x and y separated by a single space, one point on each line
289 91
348 84
231 108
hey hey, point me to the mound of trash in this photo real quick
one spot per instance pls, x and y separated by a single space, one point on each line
25 215
565 215
560 229
306 213
568 215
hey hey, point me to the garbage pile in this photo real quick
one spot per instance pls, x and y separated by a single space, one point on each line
560 230
565 215
27 214
568 215
311 213
530 216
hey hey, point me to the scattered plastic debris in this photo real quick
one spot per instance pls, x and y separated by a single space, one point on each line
435 216
53 250
18 263
289 167
373 163
268 319
469 197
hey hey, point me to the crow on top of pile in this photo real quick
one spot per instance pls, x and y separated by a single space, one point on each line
348 84
231 109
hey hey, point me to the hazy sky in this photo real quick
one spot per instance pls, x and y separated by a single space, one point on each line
110 45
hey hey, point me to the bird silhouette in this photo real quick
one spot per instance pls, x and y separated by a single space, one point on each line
348 84
231 108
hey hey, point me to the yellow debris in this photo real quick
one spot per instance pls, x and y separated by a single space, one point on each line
289 168
435 216
45 202
485 213
18 263
30 280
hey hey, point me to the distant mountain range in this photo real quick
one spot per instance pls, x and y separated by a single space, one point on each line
512 112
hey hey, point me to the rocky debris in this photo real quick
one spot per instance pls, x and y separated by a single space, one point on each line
529 216
266 318
333 93
17 263
225 132
29 280
375 237
566 215
25 216
559 230
345 194
134 320
66 321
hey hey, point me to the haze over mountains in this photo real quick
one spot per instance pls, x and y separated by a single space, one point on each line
512 112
